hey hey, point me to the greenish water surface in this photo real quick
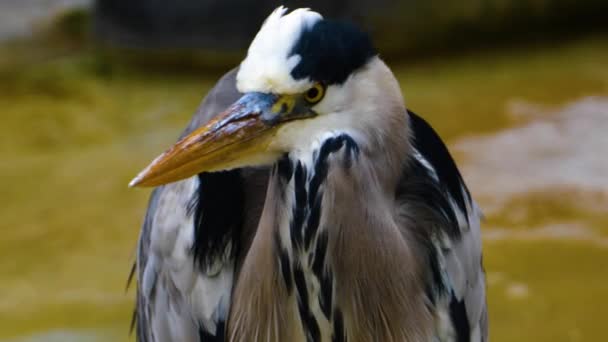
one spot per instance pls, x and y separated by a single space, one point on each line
527 126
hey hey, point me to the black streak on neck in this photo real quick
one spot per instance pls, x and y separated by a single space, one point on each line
307 236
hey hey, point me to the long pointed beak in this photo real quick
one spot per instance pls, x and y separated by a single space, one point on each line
230 140
212 146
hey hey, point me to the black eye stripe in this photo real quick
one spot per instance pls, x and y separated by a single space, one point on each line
330 51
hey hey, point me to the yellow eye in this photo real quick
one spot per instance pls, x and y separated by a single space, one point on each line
315 94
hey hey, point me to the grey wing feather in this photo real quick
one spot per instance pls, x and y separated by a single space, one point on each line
458 244
142 314
466 274
175 299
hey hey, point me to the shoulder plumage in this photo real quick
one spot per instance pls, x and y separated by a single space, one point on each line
434 151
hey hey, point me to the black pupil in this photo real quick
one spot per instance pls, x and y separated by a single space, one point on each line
313 93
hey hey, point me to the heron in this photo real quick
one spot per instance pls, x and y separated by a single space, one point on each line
305 202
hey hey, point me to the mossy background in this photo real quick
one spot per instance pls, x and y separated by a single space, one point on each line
78 120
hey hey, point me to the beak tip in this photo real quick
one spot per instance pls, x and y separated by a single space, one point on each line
135 181
143 178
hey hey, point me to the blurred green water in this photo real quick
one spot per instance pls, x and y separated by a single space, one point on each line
74 130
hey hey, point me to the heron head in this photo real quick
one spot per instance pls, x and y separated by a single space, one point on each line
303 77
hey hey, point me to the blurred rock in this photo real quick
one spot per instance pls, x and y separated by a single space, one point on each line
398 26
20 17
